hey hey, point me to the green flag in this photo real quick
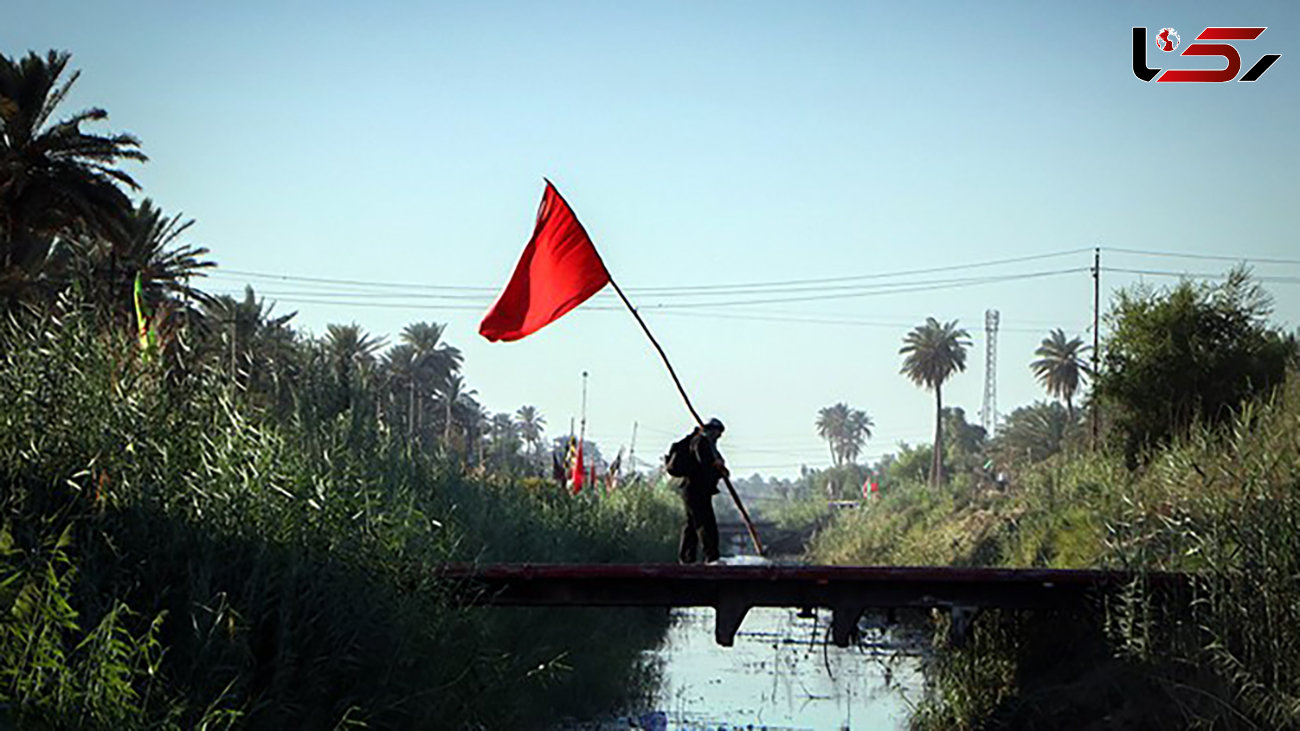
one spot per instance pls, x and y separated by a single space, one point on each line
145 331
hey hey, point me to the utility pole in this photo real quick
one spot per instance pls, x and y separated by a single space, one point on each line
582 432
1096 339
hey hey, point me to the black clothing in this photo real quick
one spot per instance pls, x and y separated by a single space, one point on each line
698 489
704 475
701 527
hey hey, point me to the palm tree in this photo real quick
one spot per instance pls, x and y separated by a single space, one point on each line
934 352
56 181
531 423
351 351
245 331
505 437
832 422
845 431
432 363
1032 433
441 359
398 373
1060 367
457 398
857 430
149 247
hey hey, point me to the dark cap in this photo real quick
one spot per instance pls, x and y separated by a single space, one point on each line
715 425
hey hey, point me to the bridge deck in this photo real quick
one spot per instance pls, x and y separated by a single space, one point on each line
732 590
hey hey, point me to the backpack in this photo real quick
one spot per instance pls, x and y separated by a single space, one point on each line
680 460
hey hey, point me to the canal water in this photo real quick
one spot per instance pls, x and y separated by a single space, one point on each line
782 673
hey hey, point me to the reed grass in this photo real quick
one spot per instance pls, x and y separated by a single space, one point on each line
173 556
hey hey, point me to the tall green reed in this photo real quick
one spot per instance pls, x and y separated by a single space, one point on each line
286 570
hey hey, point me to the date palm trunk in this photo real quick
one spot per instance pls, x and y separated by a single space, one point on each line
936 468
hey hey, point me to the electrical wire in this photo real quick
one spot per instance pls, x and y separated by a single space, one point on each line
702 288
893 288
1200 275
1206 257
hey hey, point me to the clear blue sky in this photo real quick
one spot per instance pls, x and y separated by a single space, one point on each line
700 143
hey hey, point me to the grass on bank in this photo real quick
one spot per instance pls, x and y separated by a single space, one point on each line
172 557
1222 503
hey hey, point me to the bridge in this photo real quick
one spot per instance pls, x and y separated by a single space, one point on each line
845 590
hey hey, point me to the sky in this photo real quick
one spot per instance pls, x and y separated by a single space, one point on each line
399 147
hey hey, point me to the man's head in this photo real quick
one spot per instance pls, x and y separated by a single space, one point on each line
714 428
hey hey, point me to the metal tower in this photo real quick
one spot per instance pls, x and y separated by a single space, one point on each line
989 412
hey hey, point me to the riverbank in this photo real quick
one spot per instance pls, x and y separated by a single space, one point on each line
1222 503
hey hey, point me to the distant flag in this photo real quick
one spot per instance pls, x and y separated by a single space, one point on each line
578 475
611 479
558 271
869 487
557 469
145 331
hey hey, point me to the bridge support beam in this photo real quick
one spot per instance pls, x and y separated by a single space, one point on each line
728 614
844 622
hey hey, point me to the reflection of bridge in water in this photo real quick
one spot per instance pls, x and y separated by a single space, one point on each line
846 590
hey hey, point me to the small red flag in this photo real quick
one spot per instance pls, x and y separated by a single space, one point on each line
577 471
558 271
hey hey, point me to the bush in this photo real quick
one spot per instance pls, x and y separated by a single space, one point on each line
1191 355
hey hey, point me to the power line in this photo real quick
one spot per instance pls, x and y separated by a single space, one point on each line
389 305
1200 275
900 288
754 287
353 282
358 298
658 289
863 277
823 292
1207 257
816 320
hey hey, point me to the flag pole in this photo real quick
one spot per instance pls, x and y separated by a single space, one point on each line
749 524
582 432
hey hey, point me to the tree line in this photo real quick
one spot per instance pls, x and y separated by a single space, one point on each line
1174 357
68 224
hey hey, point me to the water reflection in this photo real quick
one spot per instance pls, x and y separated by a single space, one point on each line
783 673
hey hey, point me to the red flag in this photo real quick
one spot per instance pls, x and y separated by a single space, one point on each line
577 471
558 271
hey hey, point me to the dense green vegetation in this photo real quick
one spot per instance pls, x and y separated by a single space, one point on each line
1199 472
208 519
170 555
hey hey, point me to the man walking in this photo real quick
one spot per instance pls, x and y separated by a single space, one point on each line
702 469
